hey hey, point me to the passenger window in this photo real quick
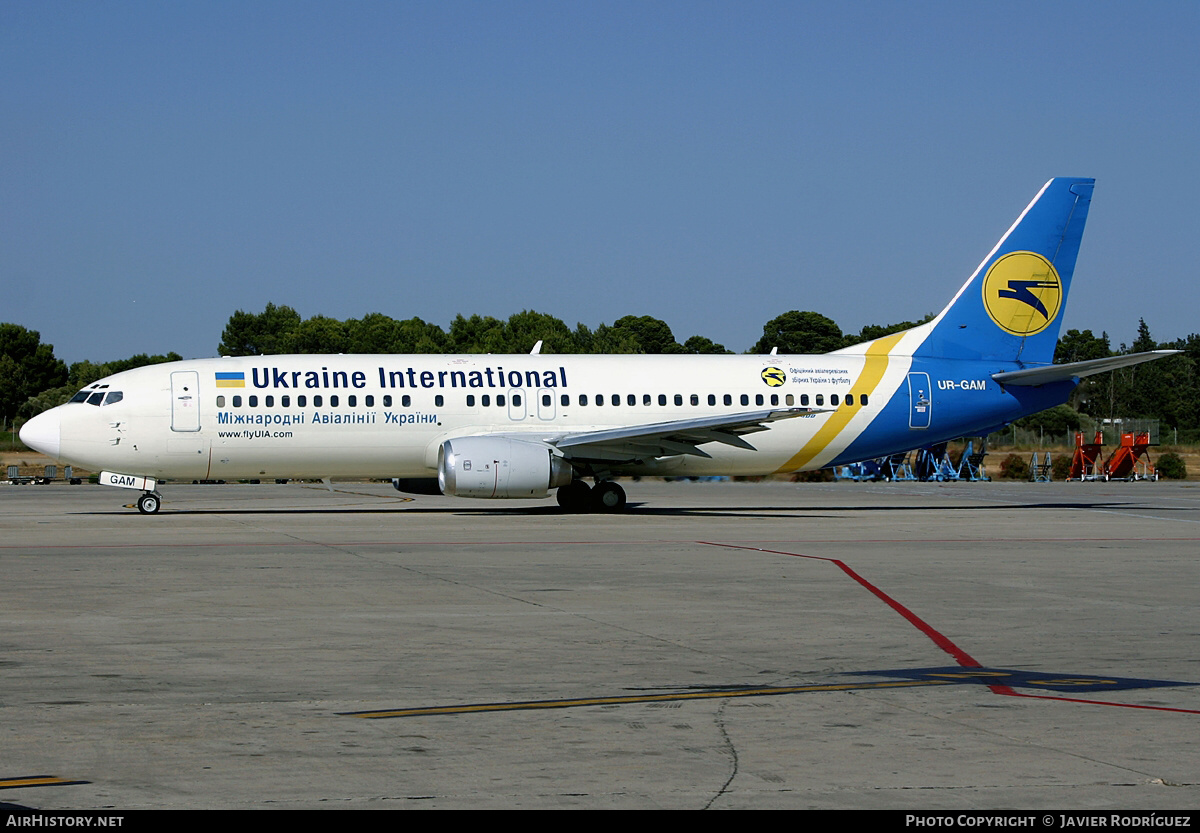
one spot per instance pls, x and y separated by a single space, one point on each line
253 401
600 399
820 399
220 401
439 400
616 399
727 399
370 400
862 399
516 399
470 400
631 399
712 399
285 401
333 401
745 400
546 400
387 400
301 400
789 399
678 399
849 399
351 400
237 401
694 399
270 401
662 399
318 400
833 399
485 400
804 399
646 399
406 401
758 399
583 399
499 400
564 400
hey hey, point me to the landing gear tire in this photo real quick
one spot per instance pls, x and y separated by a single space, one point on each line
148 503
608 497
575 496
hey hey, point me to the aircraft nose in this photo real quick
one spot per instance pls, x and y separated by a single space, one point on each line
43 433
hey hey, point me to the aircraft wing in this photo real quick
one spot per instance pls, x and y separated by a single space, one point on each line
661 439
1046 374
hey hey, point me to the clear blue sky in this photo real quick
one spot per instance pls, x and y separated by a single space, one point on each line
711 164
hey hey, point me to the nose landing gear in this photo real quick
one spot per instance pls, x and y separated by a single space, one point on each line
149 502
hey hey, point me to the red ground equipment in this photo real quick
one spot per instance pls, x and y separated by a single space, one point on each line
1130 461
1083 463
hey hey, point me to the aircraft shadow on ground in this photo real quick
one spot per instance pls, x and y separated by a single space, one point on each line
635 510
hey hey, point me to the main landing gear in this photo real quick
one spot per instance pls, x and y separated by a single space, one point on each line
606 496
149 503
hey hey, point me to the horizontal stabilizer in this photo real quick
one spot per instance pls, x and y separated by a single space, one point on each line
1033 376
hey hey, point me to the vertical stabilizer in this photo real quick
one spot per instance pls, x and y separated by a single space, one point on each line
1011 307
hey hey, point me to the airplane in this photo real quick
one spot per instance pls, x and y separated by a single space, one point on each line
521 426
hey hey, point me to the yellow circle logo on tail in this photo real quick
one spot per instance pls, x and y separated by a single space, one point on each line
1022 293
774 377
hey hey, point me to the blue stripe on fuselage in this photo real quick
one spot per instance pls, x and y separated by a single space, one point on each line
963 402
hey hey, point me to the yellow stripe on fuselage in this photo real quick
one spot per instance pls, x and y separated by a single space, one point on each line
874 367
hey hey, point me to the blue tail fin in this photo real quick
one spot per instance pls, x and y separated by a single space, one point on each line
1011 308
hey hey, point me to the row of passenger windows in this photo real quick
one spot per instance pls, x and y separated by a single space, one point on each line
485 400
692 399
318 401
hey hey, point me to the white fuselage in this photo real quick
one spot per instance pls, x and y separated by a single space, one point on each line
386 415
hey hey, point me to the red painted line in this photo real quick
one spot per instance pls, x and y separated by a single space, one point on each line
1012 693
941 640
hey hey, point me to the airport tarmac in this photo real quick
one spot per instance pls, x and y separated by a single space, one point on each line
721 645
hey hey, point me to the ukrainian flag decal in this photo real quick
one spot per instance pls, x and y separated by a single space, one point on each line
1022 293
231 380
774 377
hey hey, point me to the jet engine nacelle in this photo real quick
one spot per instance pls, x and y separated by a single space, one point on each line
499 467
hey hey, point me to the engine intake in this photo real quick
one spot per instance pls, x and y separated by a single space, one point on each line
499 467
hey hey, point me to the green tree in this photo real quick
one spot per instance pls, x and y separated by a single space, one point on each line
1081 346
85 372
379 333
1053 422
319 334
652 335
797 332
702 345
611 341
874 331
478 334
27 367
46 400
258 334
526 328
1093 391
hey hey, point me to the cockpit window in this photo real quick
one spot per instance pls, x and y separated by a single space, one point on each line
98 395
